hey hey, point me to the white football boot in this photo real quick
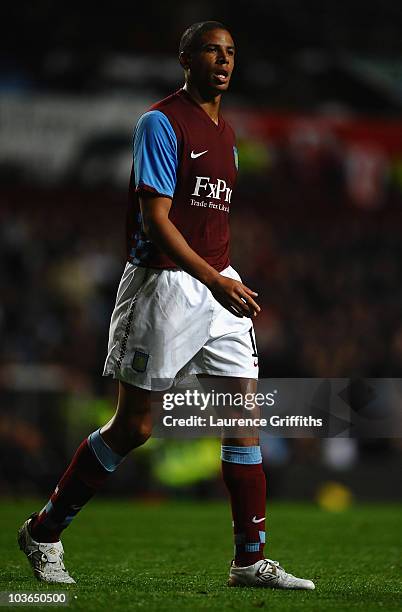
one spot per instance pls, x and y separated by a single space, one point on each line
266 573
46 558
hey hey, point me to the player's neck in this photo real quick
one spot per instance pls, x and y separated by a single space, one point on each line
209 105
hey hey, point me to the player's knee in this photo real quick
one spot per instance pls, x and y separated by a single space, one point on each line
125 436
137 431
141 432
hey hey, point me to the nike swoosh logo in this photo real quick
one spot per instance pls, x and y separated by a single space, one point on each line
195 155
256 520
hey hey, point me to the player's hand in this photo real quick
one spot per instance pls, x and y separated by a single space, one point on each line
234 296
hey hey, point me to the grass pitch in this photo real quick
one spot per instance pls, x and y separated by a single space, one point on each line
174 557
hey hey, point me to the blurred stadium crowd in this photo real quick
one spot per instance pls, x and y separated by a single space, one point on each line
316 221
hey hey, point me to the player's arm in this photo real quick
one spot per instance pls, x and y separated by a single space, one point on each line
232 294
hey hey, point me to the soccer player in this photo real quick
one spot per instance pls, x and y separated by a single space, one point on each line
181 309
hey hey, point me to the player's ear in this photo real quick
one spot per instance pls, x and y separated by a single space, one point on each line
184 59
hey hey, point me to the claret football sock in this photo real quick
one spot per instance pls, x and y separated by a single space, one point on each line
90 467
245 479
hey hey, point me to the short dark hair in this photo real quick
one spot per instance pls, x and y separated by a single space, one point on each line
191 39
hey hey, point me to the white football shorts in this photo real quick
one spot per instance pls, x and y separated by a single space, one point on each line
166 326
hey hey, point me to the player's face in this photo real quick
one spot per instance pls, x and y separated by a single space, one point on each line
212 65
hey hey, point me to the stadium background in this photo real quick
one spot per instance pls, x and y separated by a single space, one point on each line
316 101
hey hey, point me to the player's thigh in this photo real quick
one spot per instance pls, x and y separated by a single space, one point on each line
231 389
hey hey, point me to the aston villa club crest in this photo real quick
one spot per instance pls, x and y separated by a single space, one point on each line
236 157
140 361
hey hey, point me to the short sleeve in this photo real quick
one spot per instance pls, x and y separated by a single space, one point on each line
155 154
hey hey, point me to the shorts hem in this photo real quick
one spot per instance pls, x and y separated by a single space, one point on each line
220 373
177 379
121 378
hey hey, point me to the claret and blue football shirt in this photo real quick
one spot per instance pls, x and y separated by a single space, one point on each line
180 153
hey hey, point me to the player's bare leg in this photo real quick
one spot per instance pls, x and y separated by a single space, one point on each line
131 425
97 457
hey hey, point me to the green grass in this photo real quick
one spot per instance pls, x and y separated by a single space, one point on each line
174 556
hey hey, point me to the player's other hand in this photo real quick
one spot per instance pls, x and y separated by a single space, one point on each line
234 296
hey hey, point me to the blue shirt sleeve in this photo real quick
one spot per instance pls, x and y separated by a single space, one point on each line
155 154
